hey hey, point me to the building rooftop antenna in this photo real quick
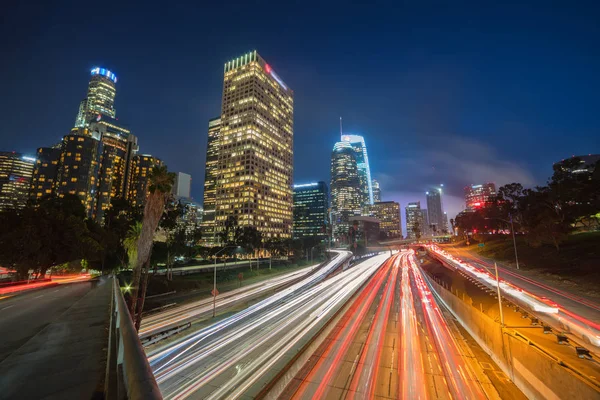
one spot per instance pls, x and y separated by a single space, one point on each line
341 132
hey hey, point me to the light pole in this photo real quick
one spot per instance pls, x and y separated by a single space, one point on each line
215 278
512 230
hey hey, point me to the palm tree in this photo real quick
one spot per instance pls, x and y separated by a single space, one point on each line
161 183
131 242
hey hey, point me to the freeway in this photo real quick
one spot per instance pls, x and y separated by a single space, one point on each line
392 342
196 310
238 355
24 315
575 316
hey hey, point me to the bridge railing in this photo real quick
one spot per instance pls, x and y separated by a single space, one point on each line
128 374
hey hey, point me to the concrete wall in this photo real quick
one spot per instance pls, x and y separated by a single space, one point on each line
535 373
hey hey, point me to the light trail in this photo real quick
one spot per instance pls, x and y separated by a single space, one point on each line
226 359
461 382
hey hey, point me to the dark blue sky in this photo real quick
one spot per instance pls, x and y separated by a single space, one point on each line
451 92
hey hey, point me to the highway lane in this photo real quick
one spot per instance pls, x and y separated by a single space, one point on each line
24 315
391 343
196 310
575 317
237 356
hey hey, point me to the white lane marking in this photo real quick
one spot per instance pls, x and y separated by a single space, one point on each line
37 297
56 290
6 307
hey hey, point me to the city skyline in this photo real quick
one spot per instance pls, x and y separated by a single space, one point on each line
478 135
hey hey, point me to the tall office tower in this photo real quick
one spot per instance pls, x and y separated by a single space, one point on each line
346 191
45 172
376 191
255 163
118 148
210 181
16 171
581 166
100 97
141 166
364 171
388 214
414 217
425 228
183 185
79 167
435 212
311 201
477 196
191 217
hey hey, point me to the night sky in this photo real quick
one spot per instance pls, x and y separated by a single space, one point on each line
444 92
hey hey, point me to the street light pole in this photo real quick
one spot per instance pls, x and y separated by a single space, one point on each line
512 229
499 295
215 279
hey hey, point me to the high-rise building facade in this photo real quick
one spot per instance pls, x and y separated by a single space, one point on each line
141 167
364 171
45 172
210 181
255 162
376 191
414 219
346 192
79 167
435 211
311 202
100 97
388 214
580 165
183 185
477 196
16 171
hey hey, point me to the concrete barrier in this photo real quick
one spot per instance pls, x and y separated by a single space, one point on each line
537 373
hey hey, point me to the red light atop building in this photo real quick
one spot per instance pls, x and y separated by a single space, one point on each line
268 68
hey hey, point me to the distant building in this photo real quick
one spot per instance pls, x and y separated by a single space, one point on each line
376 192
311 202
414 218
256 148
585 164
100 98
388 214
362 162
45 172
368 229
16 171
478 196
183 185
346 192
435 211
191 218
210 181
142 165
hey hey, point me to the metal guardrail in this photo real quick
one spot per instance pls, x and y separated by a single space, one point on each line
128 374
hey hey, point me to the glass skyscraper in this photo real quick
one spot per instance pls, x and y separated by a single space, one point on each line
435 211
256 148
100 97
346 190
210 182
364 171
16 171
311 201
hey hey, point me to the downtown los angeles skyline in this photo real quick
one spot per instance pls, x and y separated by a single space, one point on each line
504 112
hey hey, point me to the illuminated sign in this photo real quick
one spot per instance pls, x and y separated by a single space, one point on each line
32 159
476 186
104 72
306 185
270 71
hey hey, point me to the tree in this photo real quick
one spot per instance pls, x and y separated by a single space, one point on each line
131 242
161 182
250 239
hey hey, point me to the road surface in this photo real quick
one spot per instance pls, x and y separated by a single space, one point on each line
237 356
391 343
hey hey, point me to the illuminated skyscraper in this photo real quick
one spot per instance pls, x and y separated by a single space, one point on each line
362 161
79 168
141 167
435 211
210 181
346 191
414 219
45 172
311 201
255 161
376 191
15 179
100 97
388 214
476 196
